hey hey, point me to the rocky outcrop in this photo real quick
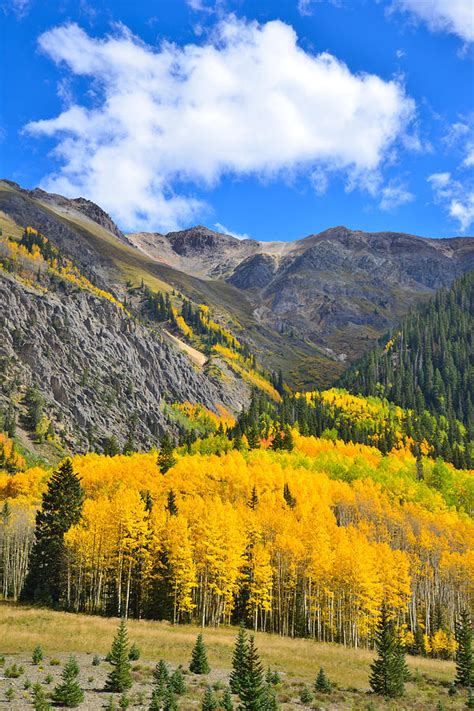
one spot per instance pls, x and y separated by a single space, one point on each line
100 372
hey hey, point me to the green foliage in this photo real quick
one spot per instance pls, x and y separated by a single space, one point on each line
199 663
177 683
306 697
119 678
322 683
13 672
464 652
166 458
470 699
134 653
37 655
96 660
124 702
39 699
209 701
10 693
60 509
388 671
226 701
253 689
239 660
424 365
68 692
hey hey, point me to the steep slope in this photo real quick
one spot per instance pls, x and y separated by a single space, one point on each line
76 366
338 290
109 258
427 361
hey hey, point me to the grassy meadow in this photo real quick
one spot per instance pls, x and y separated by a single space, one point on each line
296 660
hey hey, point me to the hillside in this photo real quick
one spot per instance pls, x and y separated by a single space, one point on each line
308 307
426 363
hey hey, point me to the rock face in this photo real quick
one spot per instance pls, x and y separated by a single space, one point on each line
340 289
99 371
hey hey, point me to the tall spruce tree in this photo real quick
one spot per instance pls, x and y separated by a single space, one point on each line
387 672
61 508
239 661
253 689
166 458
68 692
119 678
199 663
464 653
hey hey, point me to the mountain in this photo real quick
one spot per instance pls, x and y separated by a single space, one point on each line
338 290
90 318
426 362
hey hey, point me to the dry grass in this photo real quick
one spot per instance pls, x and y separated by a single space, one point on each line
21 628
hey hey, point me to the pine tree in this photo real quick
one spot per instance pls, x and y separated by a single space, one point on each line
199 663
171 506
177 683
306 697
166 458
39 699
387 676
239 660
61 508
226 702
119 678
464 653
322 683
37 655
253 690
161 678
68 692
209 701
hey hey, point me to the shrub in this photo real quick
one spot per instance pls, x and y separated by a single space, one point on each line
14 671
306 696
134 653
10 693
124 702
95 660
48 679
322 682
177 683
54 662
37 655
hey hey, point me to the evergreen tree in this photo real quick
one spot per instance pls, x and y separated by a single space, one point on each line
322 683
199 663
166 458
39 699
209 701
68 692
171 506
253 501
177 683
239 661
119 678
253 690
61 508
226 702
387 676
161 678
464 653
306 697
37 655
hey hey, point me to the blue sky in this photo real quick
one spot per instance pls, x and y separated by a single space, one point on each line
266 119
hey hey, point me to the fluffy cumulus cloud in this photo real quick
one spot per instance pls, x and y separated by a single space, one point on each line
248 101
457 197
453 16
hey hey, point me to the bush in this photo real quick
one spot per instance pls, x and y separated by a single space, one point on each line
10 693
134 653
124 702
95 660
306 696
54 662
13 672
37 655
48 678
177 683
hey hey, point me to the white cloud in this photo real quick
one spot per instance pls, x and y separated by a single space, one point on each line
394 195
452 16
20 8
249 102
225 231
457 197
305 7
